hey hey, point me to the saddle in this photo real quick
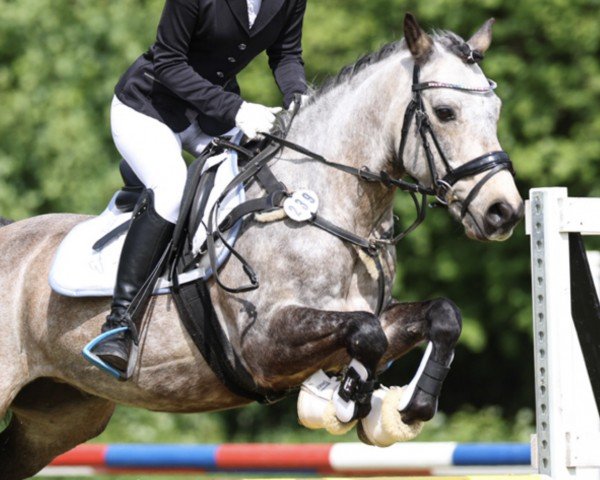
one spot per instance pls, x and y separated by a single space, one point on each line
85 264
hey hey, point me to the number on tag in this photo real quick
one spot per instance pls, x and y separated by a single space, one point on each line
302 205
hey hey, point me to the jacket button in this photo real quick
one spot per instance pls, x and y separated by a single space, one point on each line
220 74
242 46
231 60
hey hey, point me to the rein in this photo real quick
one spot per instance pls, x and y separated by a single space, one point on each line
441 186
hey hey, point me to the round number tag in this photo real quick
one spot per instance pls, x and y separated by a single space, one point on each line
301 205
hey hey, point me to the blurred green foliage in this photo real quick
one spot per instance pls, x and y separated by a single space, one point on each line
59 61
483 425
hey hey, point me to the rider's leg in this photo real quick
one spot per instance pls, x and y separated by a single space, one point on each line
146 241
153 151
194 140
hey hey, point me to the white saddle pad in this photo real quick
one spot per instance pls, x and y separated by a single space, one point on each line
80 271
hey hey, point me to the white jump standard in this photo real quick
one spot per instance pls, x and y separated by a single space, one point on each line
564 305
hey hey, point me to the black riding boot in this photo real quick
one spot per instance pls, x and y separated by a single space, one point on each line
146 240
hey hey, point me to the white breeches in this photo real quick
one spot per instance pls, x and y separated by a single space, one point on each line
154 152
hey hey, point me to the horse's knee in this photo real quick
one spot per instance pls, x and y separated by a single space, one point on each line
366 341
445 321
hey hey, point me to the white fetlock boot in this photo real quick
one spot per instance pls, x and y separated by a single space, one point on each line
316 408
384 426
345 405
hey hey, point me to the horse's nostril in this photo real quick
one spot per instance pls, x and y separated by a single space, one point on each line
499 214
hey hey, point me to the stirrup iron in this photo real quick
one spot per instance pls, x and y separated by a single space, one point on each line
90 356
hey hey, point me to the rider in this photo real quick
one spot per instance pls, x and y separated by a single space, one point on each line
179 94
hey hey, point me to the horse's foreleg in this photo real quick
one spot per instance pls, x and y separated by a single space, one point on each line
298 341
408 324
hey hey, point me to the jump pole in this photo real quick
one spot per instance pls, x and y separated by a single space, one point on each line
567 444
412 460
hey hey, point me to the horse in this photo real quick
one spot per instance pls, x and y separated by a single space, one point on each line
315 308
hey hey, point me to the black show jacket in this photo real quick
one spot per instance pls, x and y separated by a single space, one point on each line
201 45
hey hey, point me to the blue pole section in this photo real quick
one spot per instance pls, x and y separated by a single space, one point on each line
492 454
162 456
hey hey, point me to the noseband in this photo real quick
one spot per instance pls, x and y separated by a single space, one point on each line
492 162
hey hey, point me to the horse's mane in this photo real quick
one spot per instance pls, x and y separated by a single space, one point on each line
450 40
349 71
453 43
5 221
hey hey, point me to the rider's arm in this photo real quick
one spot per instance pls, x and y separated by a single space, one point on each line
172 69
285 56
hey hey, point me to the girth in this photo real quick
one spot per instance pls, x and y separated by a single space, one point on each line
200 320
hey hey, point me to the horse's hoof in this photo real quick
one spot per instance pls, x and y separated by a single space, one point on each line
421 408
315 406
362 435
384 426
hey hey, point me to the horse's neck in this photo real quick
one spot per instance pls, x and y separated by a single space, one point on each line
355 124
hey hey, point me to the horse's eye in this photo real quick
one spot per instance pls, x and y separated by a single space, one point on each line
445 114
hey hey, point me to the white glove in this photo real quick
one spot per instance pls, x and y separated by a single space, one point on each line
253 118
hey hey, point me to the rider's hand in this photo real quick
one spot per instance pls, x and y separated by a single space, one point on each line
253 118
303 99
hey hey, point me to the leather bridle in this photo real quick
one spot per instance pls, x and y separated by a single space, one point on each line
492 162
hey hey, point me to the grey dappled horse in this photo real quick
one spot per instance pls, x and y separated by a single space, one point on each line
314 307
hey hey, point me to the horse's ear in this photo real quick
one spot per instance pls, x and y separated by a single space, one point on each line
419 43
482 38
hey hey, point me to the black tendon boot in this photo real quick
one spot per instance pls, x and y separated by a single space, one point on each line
146 241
